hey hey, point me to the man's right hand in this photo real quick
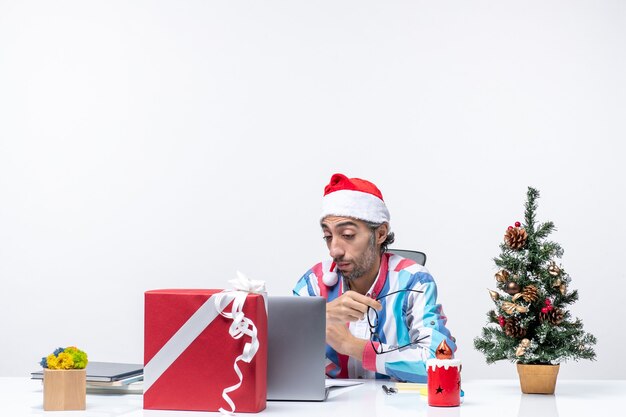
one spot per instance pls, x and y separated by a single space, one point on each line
350 306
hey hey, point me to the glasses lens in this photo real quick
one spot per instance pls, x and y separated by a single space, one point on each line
376 344
372 317
372 320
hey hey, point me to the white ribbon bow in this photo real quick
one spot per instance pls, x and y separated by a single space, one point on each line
242 283
241 326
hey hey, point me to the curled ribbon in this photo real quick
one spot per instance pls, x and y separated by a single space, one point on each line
241 326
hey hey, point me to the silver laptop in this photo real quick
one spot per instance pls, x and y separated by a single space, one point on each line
296 348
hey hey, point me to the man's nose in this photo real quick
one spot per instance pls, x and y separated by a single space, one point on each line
336 249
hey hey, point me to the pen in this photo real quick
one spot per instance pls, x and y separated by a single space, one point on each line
388 390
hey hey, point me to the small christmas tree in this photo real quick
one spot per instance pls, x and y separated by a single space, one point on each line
532 325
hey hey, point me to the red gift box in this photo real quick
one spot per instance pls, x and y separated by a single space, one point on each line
189 353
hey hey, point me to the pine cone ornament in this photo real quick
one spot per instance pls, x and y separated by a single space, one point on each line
553 315
512 328
515 237
529 293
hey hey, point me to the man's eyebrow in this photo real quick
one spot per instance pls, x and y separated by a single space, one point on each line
347 223
342 224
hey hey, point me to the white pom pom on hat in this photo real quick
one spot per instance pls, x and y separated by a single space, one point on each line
330 278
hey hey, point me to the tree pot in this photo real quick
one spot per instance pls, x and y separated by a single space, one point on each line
537 379
64 389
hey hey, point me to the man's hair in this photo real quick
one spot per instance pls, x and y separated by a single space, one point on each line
391 236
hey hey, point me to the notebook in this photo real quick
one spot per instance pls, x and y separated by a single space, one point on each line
296 348
106 372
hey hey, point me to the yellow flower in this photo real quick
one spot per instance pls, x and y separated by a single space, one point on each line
53 361
65 361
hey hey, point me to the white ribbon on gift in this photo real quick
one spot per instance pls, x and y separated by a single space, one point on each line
241 326
188 332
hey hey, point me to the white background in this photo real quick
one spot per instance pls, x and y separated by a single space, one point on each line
159 144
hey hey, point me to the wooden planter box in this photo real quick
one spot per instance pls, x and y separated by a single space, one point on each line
64 389
537 379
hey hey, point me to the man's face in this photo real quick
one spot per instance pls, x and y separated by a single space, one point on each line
352 245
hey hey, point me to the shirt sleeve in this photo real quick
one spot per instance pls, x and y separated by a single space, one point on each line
421 320
307 285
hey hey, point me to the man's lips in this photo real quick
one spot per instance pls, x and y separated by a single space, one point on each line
343 265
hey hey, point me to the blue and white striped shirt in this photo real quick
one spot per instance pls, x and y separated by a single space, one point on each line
404 318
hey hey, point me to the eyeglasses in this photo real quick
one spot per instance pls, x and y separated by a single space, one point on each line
373 323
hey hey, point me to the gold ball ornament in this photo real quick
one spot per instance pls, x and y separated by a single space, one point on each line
502 275
512 288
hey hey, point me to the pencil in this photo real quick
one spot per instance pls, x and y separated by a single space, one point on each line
422 389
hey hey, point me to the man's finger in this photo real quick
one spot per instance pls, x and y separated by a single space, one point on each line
353 311
364 300
356 306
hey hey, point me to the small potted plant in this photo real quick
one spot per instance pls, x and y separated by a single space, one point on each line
64 379
530 324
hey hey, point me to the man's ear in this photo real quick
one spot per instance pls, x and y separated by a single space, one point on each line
382 232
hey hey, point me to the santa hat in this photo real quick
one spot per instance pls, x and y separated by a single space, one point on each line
352 197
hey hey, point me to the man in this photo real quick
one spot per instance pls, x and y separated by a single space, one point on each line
389 338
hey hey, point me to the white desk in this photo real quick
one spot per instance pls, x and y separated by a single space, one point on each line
483 398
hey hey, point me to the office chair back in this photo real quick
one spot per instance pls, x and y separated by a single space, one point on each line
417 256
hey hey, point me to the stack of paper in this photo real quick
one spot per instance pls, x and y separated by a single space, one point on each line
110 378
